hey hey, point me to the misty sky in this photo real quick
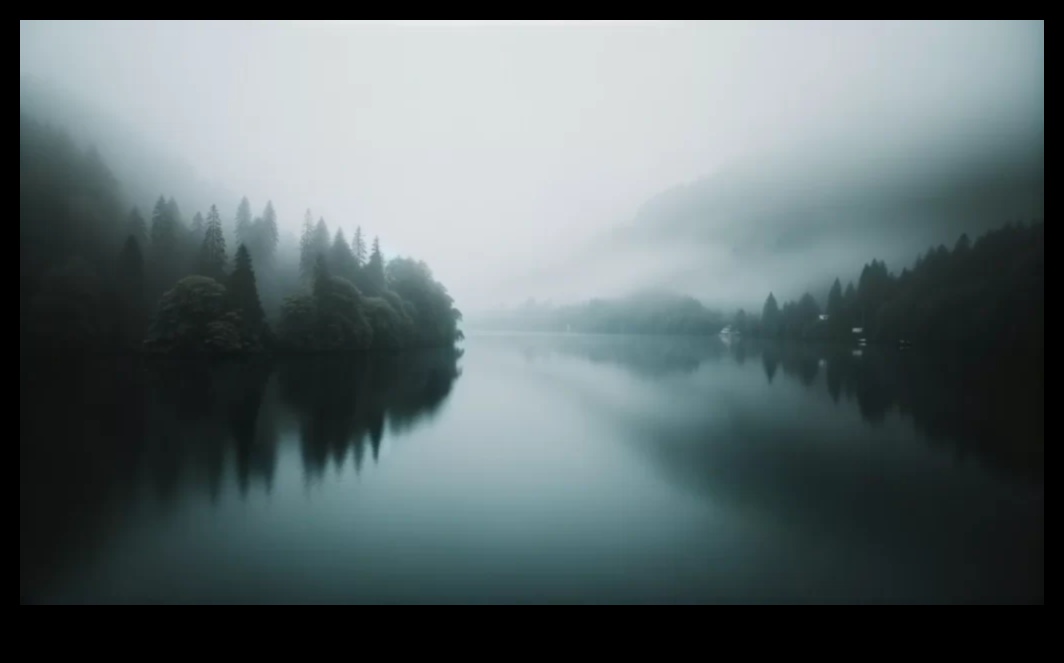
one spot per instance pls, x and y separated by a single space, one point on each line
486 149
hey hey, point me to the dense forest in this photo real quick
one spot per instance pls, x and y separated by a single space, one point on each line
97 275
987 292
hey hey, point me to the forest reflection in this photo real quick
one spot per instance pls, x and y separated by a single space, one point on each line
990 405
102 429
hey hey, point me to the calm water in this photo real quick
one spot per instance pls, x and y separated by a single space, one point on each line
535 468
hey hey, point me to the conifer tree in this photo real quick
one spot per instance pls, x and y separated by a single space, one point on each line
212 257
375 268
341 258
243 221
243 294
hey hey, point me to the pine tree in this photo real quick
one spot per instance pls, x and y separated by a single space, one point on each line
835 300
199 227
307 258
770 316
963 245
341 258
851 293
212 257
244 294
164 250
175 214
243 221
268 235
322 279
163 232
358 246
375 268
321 238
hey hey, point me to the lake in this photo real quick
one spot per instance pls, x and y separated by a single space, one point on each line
536 469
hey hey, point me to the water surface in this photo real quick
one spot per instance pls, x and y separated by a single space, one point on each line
536 468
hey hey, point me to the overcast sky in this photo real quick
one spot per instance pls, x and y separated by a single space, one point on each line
483 148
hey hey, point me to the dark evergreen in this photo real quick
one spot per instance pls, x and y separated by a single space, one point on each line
213 260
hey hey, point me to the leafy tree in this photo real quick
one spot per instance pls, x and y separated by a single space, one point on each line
430 307
193 317
330 319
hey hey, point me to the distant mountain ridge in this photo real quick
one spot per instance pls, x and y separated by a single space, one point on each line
819 207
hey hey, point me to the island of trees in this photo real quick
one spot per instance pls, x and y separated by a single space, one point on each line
97 276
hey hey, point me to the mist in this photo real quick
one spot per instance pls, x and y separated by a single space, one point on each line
552 160
565 312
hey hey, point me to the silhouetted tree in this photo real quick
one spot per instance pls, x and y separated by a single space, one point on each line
244 296
194 317
198 227
213 260
834 308
375 269
267 235
243 221
341 258
165 250
321 239
358 246
174 211
770 317
307 256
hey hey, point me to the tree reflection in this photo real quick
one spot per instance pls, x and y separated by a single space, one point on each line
93 432
988 405
343 404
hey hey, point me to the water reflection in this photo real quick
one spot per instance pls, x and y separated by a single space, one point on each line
564 468
94 432
794 456
342 405
989 406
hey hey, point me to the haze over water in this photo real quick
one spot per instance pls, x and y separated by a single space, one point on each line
546 468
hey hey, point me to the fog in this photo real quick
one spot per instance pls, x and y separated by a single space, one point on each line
564 161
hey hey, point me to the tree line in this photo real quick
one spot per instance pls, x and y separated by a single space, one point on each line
94 277
986 292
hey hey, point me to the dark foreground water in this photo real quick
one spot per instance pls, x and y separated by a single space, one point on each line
535 469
